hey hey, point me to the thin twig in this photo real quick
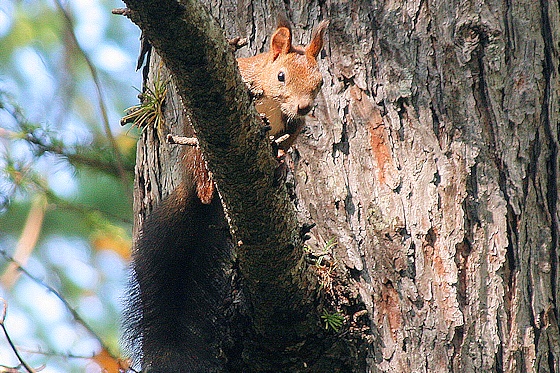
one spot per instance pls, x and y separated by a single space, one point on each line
121 11
45 147
238 42
282 139
102 106
65 356
10 342
76 158
72 311
82 209
73 158
70 206
182 140
56 354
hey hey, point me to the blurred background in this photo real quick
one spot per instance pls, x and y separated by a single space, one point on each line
67 75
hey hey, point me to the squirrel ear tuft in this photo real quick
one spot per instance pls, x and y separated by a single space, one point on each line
281 41
316 43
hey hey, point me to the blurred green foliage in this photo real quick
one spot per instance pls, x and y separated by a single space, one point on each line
54 145
39 26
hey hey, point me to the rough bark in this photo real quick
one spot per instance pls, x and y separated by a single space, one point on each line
435 163
432 159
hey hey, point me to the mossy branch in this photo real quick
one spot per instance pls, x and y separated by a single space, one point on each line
262 217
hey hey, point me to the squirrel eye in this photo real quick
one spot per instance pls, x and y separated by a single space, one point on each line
281 76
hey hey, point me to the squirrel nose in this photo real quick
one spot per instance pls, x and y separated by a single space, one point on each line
304 108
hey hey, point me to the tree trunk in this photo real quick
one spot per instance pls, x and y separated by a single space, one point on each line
432 160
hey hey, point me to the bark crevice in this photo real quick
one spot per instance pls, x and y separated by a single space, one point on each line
552 162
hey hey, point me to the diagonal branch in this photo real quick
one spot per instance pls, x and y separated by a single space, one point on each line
262 218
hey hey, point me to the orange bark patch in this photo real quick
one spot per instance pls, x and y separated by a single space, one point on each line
204 182
377 139
438 266
389 309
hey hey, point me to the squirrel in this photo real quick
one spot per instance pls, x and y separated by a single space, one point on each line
178 282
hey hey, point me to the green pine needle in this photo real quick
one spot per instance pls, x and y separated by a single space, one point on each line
332 320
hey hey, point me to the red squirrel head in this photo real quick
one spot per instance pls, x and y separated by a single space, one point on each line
294 78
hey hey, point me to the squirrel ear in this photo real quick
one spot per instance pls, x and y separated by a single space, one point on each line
281 41
316 43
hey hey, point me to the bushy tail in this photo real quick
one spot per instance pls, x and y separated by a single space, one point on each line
178 285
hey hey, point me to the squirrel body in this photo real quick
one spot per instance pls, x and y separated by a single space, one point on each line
178 285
